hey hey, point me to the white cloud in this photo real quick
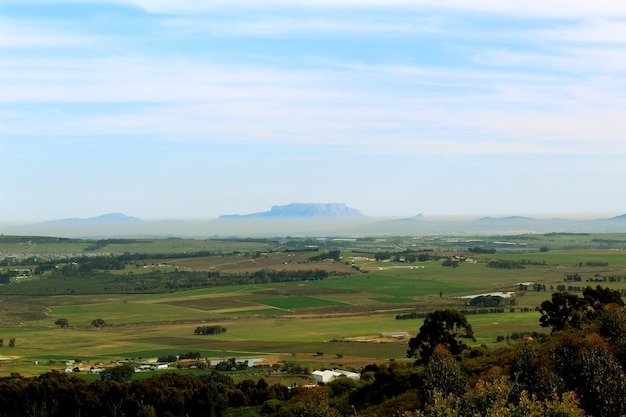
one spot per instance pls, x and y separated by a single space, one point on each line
558 98
299 24
23 33
594 30
467 112
529 8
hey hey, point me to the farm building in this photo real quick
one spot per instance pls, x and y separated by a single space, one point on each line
153 366
397 335
327 376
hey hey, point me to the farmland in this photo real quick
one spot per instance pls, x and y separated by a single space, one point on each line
276 299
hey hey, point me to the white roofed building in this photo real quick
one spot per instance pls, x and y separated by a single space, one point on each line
327 376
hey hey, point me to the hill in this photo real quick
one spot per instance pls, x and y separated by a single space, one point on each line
105 219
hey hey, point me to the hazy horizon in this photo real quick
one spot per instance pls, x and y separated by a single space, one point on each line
107 226
426 217
192 110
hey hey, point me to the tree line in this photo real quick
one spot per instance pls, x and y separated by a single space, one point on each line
70 280
332 255
209 330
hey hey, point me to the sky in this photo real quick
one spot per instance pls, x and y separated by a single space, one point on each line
190 109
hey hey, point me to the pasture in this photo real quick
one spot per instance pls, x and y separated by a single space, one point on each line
321 322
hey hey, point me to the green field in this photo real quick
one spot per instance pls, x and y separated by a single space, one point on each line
341 316
297 303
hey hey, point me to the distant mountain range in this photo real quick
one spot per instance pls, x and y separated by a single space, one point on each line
309 219
419 225
105 219
300 210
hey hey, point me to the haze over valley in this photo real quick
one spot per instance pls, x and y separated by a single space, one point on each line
312 219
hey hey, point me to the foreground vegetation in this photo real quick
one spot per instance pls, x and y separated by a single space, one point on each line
577 370
300 305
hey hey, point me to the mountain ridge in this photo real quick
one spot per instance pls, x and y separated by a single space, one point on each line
310 219
300 210
103 219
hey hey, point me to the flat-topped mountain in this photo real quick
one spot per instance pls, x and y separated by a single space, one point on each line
301 210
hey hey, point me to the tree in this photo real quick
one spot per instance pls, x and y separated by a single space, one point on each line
450 262
210 330
488 398
531 371
97 323
146 411
601 384
441 327
569 311
443 374
167 358
612 327
62 323
598 298
310 402
120 373
563 311
586 365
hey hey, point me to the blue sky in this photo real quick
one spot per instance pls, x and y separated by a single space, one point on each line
166 109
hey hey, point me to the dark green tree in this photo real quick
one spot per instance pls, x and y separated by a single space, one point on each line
442 327
97 323
598 298
62 323
121 373
564 311
569 311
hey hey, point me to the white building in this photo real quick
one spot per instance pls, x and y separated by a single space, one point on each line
327 376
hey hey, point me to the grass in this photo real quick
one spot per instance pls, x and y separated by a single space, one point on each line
487 327
260 312
393 300
296 303
124 312
571 258
292 320
400 284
